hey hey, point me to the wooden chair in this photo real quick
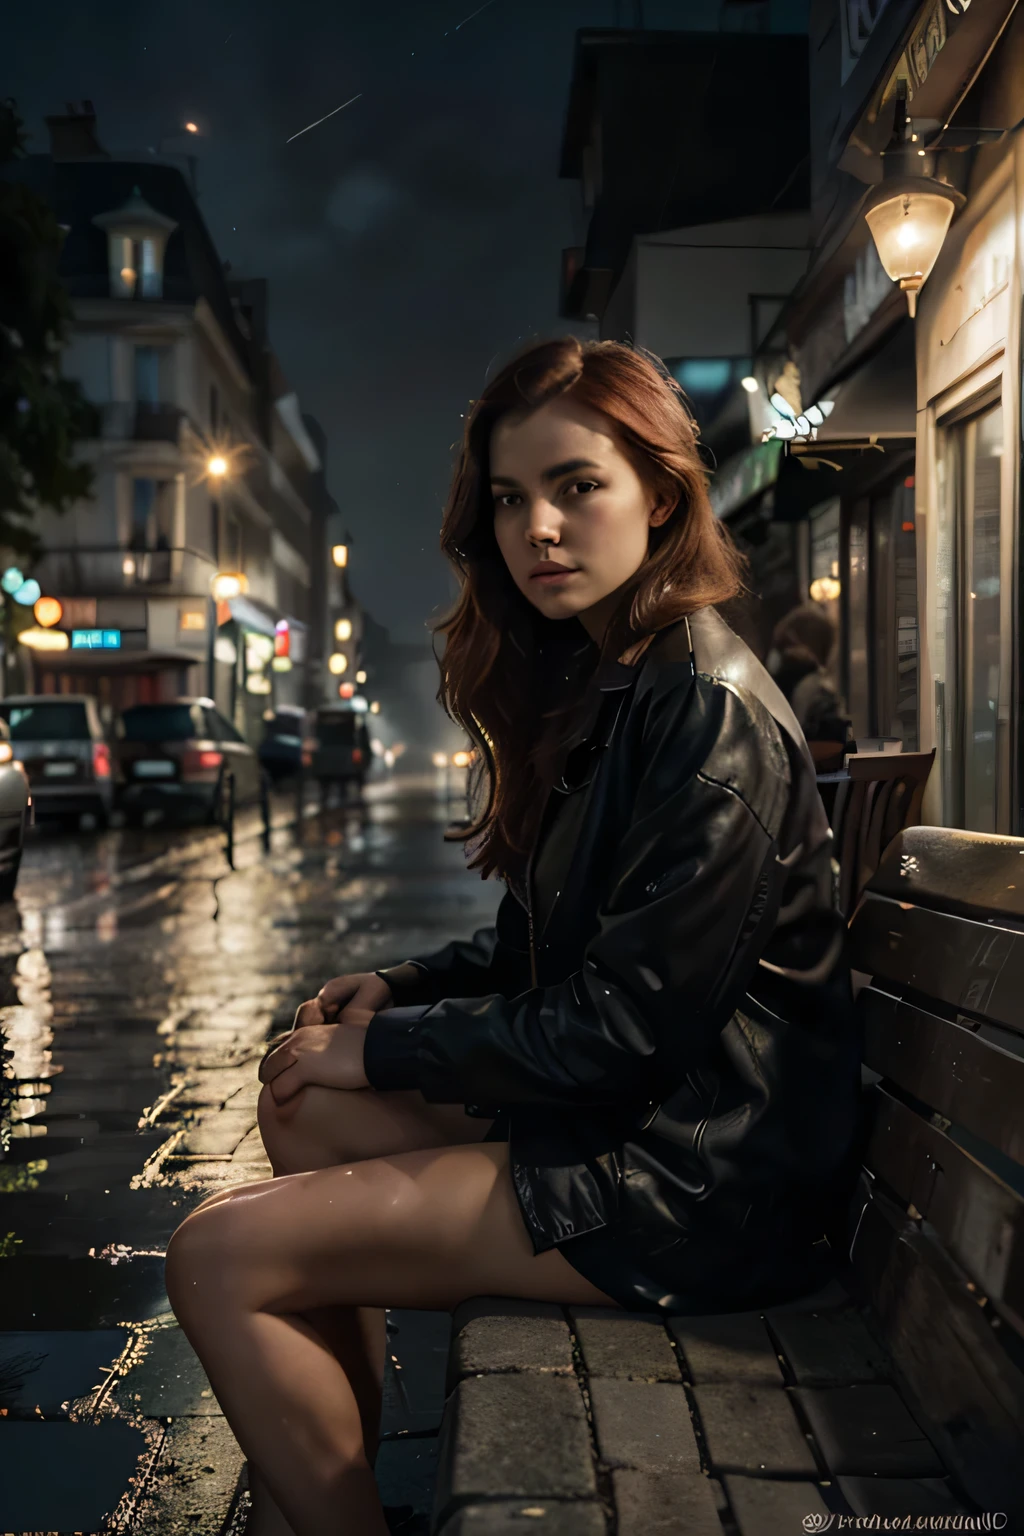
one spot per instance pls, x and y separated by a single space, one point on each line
868 805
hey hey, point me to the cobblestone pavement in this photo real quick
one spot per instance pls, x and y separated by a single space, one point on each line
139 980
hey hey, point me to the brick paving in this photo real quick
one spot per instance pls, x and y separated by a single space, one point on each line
139 981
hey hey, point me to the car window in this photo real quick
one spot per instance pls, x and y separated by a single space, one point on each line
158 722
223 730
47 722
336 729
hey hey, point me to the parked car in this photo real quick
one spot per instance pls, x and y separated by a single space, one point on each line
61 743
14 813
177 756
284 730
338 752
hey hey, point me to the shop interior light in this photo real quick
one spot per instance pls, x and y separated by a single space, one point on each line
439 760
44 639
460 760
343 629
29 593
338 663
48 611
750 384
360 676
375 708
345 690
339 554
282 663
825 589
12 579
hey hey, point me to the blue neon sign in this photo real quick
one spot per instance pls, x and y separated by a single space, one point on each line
95 639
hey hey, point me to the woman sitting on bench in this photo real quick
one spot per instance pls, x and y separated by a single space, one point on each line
640 1087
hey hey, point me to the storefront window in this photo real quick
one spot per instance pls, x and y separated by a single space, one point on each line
969 615
880 613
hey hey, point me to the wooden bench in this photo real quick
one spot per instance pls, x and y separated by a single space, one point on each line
899 1391
869 803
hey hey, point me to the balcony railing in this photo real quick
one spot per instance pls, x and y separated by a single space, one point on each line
105 571
154 422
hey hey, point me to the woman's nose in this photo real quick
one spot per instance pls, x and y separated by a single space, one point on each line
544 523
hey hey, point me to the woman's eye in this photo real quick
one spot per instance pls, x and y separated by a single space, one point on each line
506 499
583 487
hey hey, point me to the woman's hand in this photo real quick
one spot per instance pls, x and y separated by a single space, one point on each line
342 1000
330 1055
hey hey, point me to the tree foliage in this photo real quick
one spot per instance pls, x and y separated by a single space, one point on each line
42 415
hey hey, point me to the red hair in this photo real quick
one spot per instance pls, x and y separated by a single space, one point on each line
509 676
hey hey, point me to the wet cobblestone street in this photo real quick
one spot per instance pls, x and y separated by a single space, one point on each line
141 978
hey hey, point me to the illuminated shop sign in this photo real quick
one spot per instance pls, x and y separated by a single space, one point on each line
95 639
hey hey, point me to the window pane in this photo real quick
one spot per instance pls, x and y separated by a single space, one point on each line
46 722
949 474
983 623
159 722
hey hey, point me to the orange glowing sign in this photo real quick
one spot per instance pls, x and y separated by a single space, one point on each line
48 611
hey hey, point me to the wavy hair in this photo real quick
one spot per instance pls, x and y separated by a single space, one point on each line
515 680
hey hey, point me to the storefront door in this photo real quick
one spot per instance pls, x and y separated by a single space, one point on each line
879 608
972 611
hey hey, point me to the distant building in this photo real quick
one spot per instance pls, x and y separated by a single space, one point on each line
204 464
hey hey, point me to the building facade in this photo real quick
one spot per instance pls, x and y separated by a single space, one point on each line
915 470
204 464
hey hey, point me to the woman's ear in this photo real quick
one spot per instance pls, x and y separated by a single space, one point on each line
662 511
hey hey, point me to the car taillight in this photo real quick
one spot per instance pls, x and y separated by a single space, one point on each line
201 762
100 760
357 755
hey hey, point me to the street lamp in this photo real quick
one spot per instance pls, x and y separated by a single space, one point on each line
228 584
217 466
910 210
339 554
338 663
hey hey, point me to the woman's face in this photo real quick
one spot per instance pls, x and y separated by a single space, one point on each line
567 500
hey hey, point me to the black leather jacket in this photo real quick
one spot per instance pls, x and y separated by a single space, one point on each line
668 1025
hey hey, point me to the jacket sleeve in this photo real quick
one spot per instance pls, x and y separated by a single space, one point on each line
493 960
692 901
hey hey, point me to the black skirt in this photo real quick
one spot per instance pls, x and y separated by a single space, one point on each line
691 1275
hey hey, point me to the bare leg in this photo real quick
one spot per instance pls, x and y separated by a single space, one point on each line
420 1229
321 1128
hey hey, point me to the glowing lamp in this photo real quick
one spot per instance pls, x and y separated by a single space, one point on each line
825 589
346 690
439 760
191 128
44 639
228 584
908 227
343 629
460 760
282 663
360 677
338 663
750 384
375 708
217 466
12 579
48 611
339 554
28 593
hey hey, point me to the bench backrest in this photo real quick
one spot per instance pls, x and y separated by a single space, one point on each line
879 796
939 1239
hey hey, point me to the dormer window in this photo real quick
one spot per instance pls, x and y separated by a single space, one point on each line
137 235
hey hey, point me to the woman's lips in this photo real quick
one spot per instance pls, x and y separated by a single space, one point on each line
549 578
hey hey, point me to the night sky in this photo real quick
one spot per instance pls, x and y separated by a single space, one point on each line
410 240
